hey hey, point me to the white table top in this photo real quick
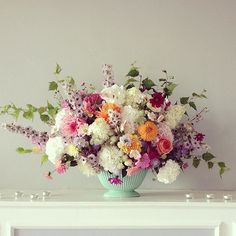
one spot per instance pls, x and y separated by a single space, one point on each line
67 198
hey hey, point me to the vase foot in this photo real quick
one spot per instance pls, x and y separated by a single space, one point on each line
120 194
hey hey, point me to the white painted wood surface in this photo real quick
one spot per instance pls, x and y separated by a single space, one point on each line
83 211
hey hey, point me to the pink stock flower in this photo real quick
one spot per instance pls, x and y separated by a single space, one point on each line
115 180
64 104
143 162
185 165
92 103
199 137
60 167
132 170
164 146
70 125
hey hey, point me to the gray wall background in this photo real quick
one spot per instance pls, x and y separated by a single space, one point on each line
193 40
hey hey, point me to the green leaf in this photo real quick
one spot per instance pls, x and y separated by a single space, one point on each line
222 171
129 81
221 164
53 86
196 162
193 105
148 83
45 118
44 159
31 107
130 86
70 80
170 88
58 69
21 150
28 115
207 156
42 110
210 165
162 79
196 95
184 100
133 72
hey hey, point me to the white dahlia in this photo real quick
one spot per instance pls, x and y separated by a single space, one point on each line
100 131
86 168
134 96
114 94
111 159
54 149
59 118
168 173
174 115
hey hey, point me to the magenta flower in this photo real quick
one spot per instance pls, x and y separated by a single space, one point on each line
115 180
92 103
157 100
143 162
199 137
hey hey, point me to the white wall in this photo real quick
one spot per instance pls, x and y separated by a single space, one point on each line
194 40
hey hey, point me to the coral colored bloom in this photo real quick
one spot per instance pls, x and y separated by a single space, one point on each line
157 100
199 137
133 170
164 146
70 125
143 162
115 180
92 103
60 167
103 113
148 131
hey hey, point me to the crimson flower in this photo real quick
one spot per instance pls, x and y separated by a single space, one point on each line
199 137
157 100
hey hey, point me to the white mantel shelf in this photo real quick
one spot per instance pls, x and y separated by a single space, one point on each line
88 209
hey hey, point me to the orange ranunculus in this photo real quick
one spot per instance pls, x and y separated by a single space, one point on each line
135 144
148 131
103 113
164 146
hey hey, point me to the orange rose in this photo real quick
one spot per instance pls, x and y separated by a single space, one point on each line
164 146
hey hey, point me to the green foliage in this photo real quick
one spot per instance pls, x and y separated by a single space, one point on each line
210 164
167 85
169 88
53 86
193 105
134 72
207 156
21 150
130 81
148 83
196 162
184 100
58 69
44 159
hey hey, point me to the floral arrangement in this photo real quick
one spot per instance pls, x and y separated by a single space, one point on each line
120 129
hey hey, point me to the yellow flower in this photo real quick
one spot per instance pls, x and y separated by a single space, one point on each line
135 144
36 149
148 131
72 150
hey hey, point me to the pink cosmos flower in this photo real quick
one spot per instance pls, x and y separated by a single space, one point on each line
92 103
115 180
60 167
132 170
70 125
143 162
164 146
157 100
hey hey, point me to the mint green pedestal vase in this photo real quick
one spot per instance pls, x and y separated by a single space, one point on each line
126 187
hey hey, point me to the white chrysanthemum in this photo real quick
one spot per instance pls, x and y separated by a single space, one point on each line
174 115
111 159
100 131
134 96
59 118
130 117
83 129
114 94
168 173
86 168
54 149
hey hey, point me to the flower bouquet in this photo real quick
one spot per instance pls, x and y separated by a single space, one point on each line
117 133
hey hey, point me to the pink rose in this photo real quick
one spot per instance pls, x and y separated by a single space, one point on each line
164 146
